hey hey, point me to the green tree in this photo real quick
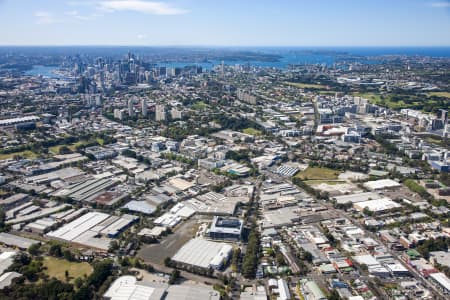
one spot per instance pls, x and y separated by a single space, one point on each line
55 250
34 249
174 276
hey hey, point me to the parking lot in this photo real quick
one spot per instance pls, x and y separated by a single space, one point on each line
169 245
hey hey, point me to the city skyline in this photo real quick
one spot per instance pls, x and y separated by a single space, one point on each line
225 23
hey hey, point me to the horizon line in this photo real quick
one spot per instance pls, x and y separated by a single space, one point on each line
228 46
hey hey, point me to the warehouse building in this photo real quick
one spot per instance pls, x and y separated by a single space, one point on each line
354 198
128 288
377 206
12 240
13 201
442 281
19 121
202 253
6 260
7 278
381 184
86 229
62 174
229 229
313 291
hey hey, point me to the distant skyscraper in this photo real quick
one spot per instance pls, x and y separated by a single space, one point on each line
144 108
443 115
176 113
98 100
130 108
119 114
160 113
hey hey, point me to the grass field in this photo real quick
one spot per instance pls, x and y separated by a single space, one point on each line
57 268
374 98
440 94
200 105
332 93
315 173
306 85
100 141
55 149
73 147
252 131
385 101
26 154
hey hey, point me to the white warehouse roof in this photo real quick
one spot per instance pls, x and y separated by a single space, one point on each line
203 253
381 184
378 205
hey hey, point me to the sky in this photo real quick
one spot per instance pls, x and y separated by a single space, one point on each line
226 22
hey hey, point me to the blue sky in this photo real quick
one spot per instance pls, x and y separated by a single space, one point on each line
226 22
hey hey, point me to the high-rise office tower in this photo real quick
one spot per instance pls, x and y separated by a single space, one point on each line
144 108
130 108
160 113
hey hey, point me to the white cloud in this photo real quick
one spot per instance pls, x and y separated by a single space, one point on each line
441 4
44 17
148 7
76 15
141 36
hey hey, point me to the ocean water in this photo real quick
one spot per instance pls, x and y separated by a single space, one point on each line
44 71
322 55
287 56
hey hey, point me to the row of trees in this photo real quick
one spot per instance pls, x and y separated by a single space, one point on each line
307 188
438 244
417 188
250 260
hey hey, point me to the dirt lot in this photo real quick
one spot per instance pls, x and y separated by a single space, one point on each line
403 192
156 253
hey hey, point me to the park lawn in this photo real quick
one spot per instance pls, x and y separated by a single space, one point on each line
56 267
305 85
55 149
440 94
100 141
386 101
252 131
27 154
327 92
199 105
372 97
316 173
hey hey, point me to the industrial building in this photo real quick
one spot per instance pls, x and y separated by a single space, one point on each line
442 281
13 201
86 229
202 253
377 206
226 229
313 291
7 278
354 198
6 260
18 121
16 241
128 288
381 184
88 190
